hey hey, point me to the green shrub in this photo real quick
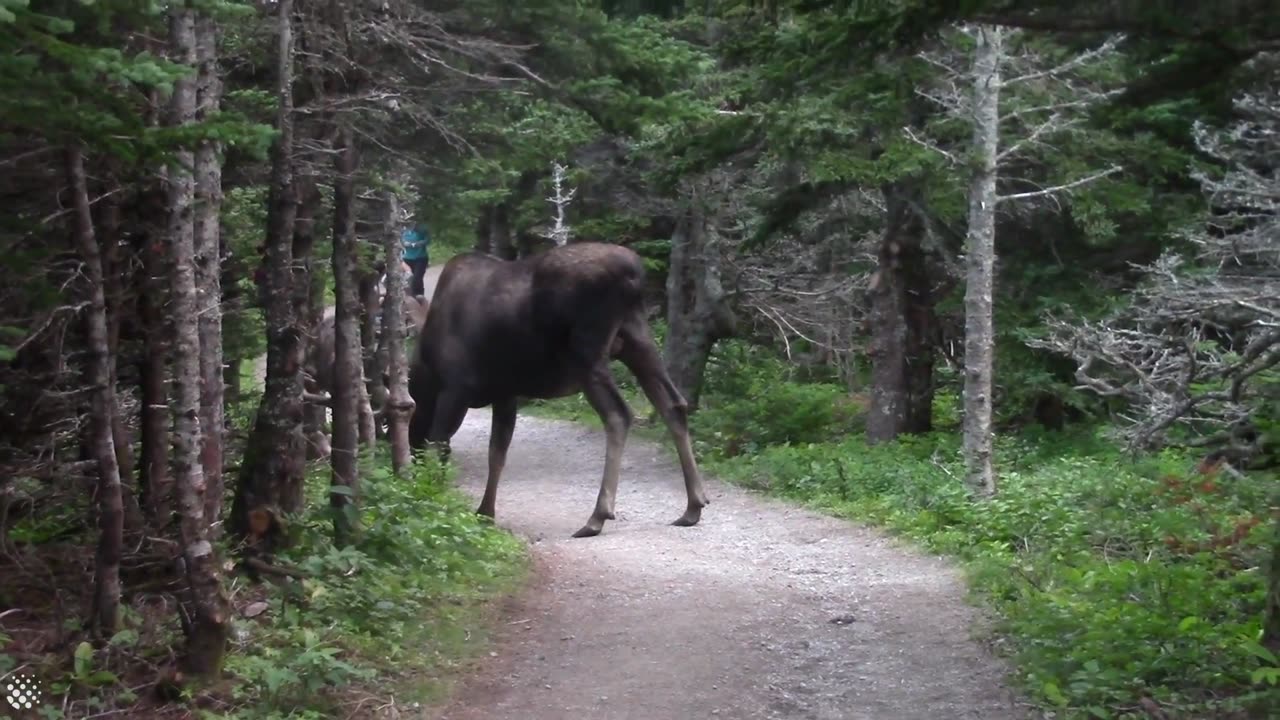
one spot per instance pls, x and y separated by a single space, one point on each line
397 607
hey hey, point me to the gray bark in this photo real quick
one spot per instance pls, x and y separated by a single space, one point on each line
210 623
315 321
903 323
373 392
271 477
697 314
980 256
106 595
347 375
399 406
208 269
155 480
501 243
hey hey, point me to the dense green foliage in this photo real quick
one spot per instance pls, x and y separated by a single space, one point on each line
401 608
399 612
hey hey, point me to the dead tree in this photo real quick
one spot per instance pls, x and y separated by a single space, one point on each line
106 595
980 262
347 375
209 624
399 404
1195 347
1033 121
208 249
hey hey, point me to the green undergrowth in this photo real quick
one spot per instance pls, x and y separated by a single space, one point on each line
1116 582
389 620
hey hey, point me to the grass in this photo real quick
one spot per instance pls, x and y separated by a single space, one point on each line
1119 584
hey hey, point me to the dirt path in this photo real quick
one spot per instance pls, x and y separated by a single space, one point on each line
761 611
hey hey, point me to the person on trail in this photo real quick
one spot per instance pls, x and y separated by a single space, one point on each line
415 241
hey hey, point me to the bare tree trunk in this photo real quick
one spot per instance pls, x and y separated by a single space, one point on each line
375 353
155 480
106 596
500 240
271 477
210 623
208 269
370 365
232 307
346 362
399 407
902 324
315 331
113 285
1271 615
484 232
980 256
697 315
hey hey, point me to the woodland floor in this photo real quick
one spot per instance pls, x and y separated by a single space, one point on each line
763 610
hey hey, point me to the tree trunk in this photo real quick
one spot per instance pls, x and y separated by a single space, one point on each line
232 312
210 623
154 480
271 477
484 233
373 346
373 392
208 274
113 285
980 256
106 596
346 348
309 310
697 315
399 407
500 241
1271 615
902 325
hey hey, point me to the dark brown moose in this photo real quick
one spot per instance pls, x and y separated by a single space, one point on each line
544 326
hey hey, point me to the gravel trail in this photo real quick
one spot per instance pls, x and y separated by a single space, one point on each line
763 610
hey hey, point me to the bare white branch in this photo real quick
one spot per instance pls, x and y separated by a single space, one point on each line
560 232
1065 187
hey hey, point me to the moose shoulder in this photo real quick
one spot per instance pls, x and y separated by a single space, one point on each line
543 327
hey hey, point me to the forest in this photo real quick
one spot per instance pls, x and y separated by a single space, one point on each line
998 278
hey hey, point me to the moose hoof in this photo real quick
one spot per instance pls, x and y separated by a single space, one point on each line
689 518
593 527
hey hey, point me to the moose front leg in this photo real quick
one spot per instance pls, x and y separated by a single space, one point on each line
500 432
605 399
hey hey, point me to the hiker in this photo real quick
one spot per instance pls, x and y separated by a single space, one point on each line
415 241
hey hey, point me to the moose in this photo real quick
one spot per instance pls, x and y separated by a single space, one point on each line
544 326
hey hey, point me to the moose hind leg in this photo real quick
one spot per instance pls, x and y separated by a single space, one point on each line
639 353
500 432
605 399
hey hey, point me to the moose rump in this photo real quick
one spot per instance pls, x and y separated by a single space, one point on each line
546 326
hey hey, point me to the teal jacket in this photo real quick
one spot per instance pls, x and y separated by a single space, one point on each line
415 244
